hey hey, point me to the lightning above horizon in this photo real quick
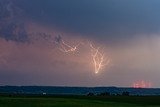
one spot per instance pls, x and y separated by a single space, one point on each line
142 84
99 59
65 47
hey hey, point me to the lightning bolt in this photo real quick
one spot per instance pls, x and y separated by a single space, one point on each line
64 47
98 58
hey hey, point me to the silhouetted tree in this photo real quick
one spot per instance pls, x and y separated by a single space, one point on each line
125 93
90 94
105 94
118 94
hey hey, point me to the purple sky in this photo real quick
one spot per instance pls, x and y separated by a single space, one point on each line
126 31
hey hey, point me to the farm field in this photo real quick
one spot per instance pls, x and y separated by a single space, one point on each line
79 101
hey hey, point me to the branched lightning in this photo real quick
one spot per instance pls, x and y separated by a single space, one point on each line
99 59
64 47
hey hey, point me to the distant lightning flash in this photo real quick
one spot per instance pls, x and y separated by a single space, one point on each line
141 84
99 60
64 47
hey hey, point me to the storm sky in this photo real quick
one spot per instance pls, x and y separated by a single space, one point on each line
126 30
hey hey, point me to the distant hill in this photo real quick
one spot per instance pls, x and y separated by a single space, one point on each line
76 90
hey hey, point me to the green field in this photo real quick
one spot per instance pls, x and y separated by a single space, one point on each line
79 101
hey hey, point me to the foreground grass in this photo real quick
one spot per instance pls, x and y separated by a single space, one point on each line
73 101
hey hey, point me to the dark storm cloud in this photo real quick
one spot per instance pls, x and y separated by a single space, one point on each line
11 25
132 24
104 19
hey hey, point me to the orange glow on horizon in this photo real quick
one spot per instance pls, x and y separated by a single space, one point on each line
141 84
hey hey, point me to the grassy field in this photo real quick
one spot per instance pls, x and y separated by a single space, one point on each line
79 101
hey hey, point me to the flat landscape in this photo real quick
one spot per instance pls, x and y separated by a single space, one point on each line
79 53
79 101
